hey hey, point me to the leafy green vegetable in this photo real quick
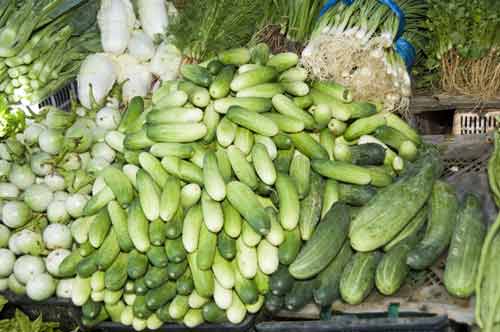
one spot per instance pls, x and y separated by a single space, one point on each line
21 323
12 120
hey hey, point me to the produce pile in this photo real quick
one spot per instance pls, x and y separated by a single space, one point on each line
238 186
42 44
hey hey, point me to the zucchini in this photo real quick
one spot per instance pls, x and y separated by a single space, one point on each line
300 295
327 288
465 249
116 276
308 146
226 246
246 203
253 77
310 207
285 106
252 121
289 249
196 74
442 221
137 265
220 86
354 194
324 245
203 280
376 225
358 277
289 211
138 227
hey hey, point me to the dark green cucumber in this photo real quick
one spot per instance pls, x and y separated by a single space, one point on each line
157 232
213 314
157 256
196 74
274 303
185 285
290 248
281 281
358 277
158 297
175 250
300 295
155 277
245 288
207 247
91 309
367 154
465 249
328 281
116 276
140 287
137 265
220 86
442 220
356 195
86 249
69 265
412 229
324 244
214 67
310 207
87 266
176 270
164 315
226 245
173 228
108 251
283 160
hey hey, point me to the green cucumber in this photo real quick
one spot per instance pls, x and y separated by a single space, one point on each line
310 207
137 265
155 277
157 232
157 256
116 276
358 277
158 297
290 247
220 86
176 270
300 294
175 250
207 248
226 246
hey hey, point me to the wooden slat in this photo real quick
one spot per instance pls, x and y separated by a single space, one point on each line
420 104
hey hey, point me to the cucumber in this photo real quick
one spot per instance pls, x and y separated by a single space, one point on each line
176 270
69 265
180 150
137 140
198 95
358 277
283 160
137 265
129 119
153 167
224 164
288 201
300 171
296 74
310 207
308 146
148 196
174 227
465 249
252 121
173 133
207 248
266 90
220 86
290 247
140 287
442 221
173 99
392 270
222 296
342 171
174 115
303 102
140 308
283 61
119 184
334 90
327 283
367 154
157 256
243 170
285 123
191 228
298 88
196 301
226 246
245 288
232 220
185 284
91 309
324 245
364 126
412 229
246 259
274 303
163 314
300 295
212 213
211 120
235 56
86 249
178 307
268 143
213 314
196 74
212 177
268 257
354 194
253 77
193 318
253 104
226 132
175 250
282 142
116 276
115 311
80 293
203 280
99 228
262 282
87 266
286 106
108 251
276 235
244 140
158 297
102 316
118 218
138 227
157 232
260 54
214 67
155 277
223 271
246 203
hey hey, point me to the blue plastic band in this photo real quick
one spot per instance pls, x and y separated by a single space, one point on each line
406 51
330 3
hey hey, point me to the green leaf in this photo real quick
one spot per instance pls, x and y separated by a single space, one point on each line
3 302
23 321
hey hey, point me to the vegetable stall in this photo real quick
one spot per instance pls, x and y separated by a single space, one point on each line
226 160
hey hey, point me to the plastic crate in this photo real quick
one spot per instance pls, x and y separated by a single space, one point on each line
473 123
60 99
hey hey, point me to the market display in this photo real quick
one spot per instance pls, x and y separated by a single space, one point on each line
201 178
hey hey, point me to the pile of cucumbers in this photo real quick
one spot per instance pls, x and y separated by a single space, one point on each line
244 185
